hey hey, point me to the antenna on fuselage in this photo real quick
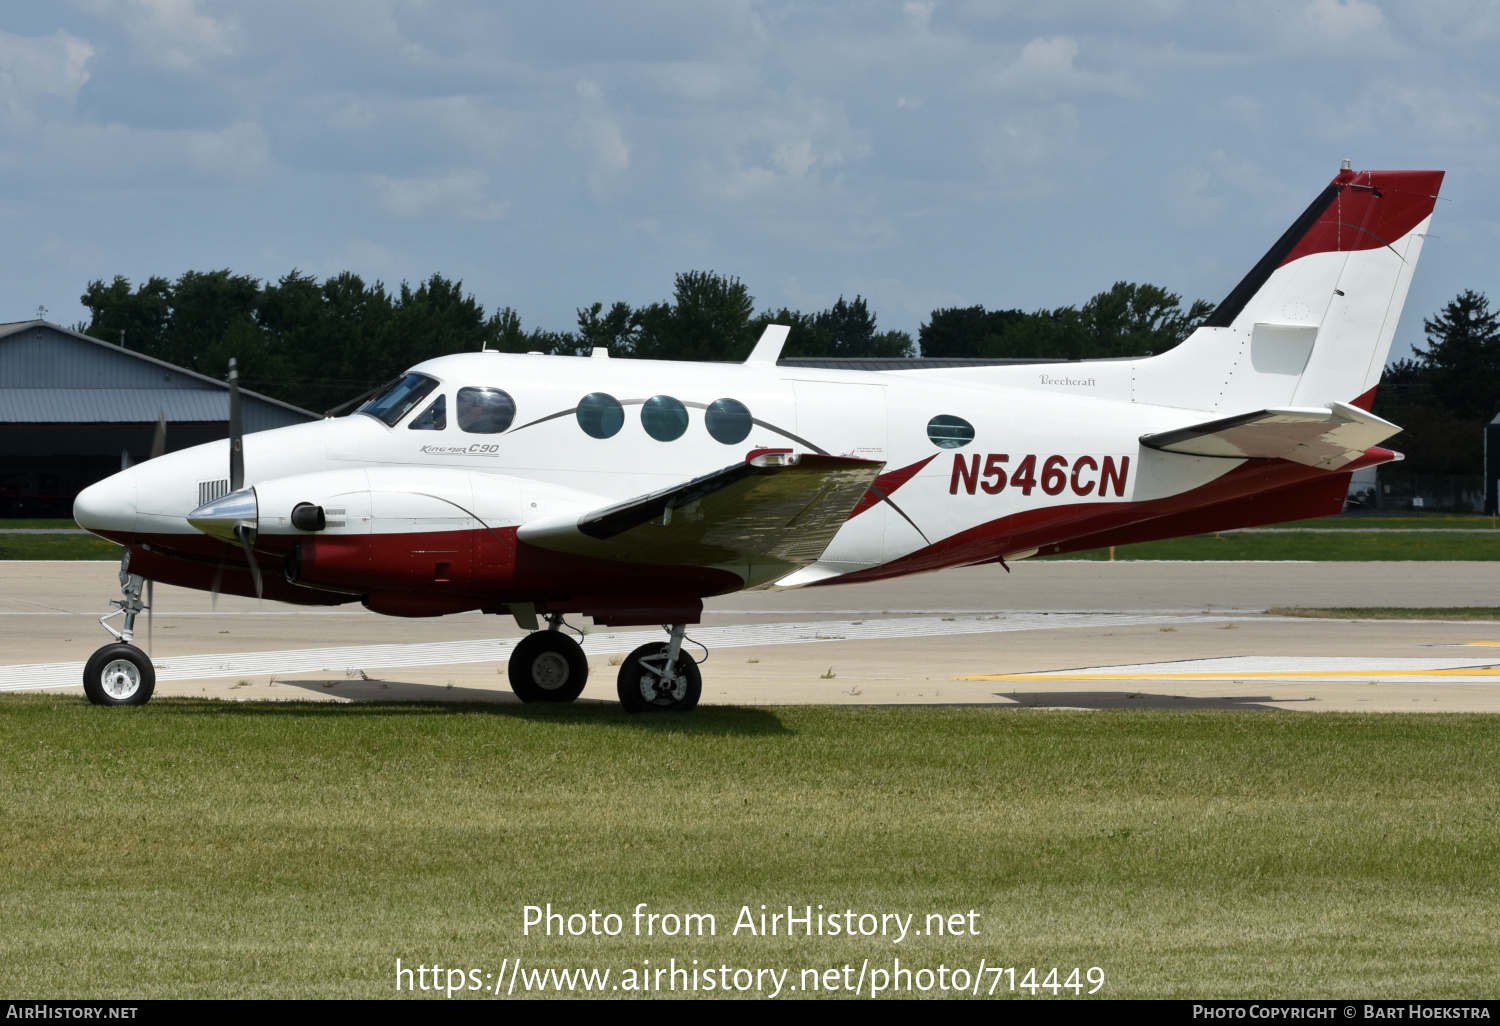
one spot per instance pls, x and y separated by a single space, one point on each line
768 349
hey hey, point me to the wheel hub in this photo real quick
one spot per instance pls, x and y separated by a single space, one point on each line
121 679
661 690
550 671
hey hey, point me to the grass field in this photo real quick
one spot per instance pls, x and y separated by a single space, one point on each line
1309 545
260 849
56 546
1391 612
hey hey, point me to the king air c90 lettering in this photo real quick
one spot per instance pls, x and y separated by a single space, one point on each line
629 491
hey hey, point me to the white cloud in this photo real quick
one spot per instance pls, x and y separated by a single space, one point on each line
1328 27
1046 68
1025 148
171 34
458 194
603 137
1198 196
32 67
238 151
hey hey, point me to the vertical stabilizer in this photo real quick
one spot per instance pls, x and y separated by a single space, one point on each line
1312 322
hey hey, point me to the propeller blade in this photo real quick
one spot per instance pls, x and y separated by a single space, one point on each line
236 430
159 443
150 604
125 461
244 537
213 590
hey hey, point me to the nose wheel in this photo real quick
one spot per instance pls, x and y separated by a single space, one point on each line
119 674
548 666
660 677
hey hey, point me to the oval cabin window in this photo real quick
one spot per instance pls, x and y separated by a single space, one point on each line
600 415
728 421
664 418
947 432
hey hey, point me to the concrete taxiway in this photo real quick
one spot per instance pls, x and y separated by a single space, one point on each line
1051 634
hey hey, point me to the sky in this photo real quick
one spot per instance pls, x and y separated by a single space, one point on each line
922 154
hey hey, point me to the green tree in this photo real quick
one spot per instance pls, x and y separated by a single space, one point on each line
1138 320
141 314
1462 358
708 319
1125 320
614 331
805 337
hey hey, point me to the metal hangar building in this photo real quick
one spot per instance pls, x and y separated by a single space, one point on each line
74 409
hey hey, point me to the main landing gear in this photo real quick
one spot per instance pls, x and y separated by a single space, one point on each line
548 666
660 677
120 673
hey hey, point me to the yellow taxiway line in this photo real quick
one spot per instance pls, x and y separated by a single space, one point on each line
1461 671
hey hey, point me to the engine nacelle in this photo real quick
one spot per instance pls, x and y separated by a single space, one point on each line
435 532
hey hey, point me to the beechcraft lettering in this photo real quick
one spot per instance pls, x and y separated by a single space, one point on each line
628 491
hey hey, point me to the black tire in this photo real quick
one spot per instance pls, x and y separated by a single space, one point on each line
548 666
640 689
119 674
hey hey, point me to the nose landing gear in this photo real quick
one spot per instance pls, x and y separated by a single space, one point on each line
120 673
660 677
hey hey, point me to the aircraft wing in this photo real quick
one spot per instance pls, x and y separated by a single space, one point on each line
768 516
1326 437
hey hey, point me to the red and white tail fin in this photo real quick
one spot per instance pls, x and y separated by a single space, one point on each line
1313 320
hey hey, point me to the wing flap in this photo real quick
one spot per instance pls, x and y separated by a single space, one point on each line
766 517
1327 437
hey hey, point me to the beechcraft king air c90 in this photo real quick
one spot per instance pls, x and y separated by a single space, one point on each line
630 490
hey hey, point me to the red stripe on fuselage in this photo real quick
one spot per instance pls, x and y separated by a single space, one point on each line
887 483
449 571
1255 492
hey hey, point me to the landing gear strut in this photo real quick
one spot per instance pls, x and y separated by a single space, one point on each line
548 666
660 677
120 673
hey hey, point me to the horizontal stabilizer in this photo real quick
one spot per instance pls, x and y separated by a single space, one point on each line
761 519
1317 437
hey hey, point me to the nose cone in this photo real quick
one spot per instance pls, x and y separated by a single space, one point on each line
109 505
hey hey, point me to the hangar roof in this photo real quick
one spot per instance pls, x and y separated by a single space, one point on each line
52 375
110 405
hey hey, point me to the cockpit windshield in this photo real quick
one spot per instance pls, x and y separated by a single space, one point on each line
397 401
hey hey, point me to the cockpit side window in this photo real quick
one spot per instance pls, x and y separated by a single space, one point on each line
485 411
399 400
434 418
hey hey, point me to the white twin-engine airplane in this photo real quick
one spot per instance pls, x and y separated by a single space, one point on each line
630 490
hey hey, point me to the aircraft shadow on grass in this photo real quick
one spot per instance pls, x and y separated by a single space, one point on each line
709 719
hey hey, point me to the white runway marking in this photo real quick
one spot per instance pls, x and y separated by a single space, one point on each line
443 653
1289 669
